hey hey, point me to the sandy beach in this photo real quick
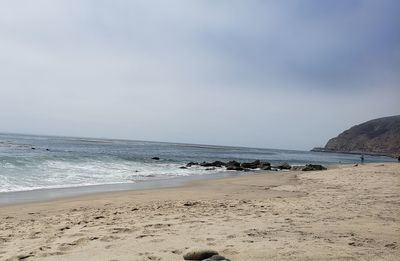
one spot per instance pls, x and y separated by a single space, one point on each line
345 213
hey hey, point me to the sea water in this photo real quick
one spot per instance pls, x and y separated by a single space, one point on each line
30 162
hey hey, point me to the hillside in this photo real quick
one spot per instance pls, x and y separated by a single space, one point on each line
381 136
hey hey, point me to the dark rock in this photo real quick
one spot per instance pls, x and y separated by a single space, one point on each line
155 158
298 167
233 163
33 148
284 165
312 167
206 164
192 164
257 164
251 165
210 168
237 168
266 167
217 164
199 254
183 167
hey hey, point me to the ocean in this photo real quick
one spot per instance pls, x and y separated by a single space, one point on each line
29 163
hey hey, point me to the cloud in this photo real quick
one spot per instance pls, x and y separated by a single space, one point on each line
255 73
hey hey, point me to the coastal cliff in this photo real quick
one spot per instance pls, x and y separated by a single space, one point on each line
378 136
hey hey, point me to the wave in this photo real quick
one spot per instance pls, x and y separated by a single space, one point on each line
21 188
33 174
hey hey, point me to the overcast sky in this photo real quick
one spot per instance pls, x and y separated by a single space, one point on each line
274 74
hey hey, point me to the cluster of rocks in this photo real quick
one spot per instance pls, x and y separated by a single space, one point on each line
311 167
257 164
233 165
204 255
246 166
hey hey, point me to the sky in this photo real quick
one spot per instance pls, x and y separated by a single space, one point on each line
270 74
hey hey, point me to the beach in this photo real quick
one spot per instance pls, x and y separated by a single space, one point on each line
344 213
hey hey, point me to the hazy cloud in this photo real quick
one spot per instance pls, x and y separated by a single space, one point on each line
283 74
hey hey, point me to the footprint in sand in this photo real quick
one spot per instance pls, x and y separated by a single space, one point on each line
34 235
78 242
109 238
143 236
158 225
229 251
177 252
43 248
157 240
76 235
117 230
58 253
21 257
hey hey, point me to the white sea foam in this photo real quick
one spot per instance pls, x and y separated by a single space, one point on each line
62 174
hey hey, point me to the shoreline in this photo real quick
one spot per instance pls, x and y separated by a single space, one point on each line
344 213
195 182
50 194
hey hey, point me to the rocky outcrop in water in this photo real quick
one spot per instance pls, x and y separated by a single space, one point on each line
313 167
217 164
247 166
284 165
233 165
257 164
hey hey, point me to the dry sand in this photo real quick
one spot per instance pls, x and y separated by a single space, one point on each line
346 213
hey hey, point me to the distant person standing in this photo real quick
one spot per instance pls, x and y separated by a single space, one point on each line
398 159
362 159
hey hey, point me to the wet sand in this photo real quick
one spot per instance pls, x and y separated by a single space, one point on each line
346 213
